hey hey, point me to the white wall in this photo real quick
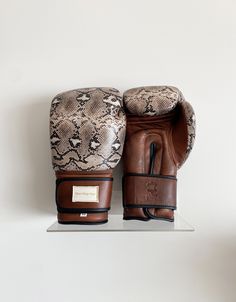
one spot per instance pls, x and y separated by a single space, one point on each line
51 46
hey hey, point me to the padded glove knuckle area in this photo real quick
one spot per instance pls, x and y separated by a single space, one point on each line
87 129
160 100
151 100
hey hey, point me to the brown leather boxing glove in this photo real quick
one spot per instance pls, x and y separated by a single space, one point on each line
159 137
87 128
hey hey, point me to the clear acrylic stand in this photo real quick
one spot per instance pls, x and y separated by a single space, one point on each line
117 224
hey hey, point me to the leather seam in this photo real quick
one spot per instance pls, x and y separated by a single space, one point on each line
83 222
151 206
60 180
81 210
169 177
159 217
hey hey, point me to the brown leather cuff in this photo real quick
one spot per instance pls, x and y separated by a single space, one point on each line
83 197
81 218
149 191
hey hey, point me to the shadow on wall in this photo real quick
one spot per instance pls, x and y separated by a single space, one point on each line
116 202
30 141
43 181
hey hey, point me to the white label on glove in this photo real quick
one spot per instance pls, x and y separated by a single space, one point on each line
85 194
83 215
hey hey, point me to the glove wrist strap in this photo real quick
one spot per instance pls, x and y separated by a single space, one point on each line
149 191
83 197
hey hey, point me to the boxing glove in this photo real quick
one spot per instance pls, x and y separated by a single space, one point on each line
159 137
87 131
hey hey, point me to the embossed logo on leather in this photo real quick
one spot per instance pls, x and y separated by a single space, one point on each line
152 190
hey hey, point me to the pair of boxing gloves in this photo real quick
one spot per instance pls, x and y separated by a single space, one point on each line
153 127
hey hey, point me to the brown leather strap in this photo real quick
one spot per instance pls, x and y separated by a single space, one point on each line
64 192
83 197
82 218
147 191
